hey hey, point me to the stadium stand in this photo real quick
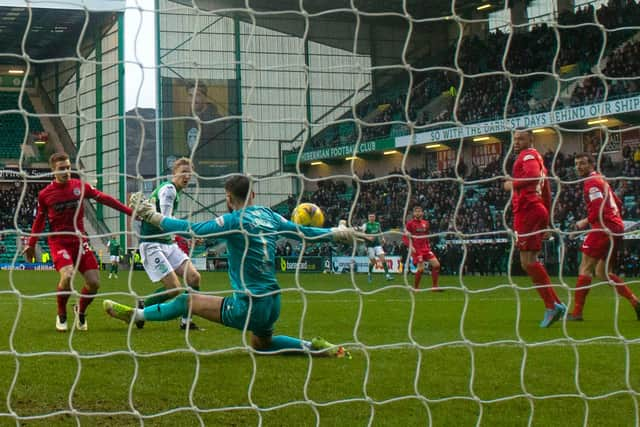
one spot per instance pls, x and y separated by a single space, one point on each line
12 125
10 193
482 210
483 97
528 54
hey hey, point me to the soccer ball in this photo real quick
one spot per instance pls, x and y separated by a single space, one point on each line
308 214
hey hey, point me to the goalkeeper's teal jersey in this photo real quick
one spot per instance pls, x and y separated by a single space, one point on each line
255 229
372 228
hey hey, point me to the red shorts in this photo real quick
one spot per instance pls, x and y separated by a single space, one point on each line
422 256
597 245
67 253
526 224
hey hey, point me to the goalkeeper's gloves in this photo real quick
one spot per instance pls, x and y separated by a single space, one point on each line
343 234
145 210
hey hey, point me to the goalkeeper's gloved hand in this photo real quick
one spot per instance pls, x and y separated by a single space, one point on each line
343 234
144 209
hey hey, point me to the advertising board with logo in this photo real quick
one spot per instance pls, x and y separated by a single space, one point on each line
360 264
26 266
306 264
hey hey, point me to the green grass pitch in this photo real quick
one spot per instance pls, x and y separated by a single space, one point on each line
471 355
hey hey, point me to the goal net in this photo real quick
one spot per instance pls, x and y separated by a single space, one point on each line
363 108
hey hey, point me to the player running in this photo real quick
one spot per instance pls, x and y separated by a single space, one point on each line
251 233
374 246
61 204
162 258
416 239
114 256
604 239
531 203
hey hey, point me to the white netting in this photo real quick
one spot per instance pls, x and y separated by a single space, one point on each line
359 107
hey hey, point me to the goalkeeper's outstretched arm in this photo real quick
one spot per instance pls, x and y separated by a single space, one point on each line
341 234
228 222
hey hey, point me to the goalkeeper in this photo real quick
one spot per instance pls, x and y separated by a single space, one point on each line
251 232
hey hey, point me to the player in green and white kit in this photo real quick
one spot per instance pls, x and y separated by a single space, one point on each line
374 246
114 256
162 259
250 232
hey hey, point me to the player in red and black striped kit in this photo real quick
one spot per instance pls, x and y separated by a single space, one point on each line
600 247
418 243
531 204
60 203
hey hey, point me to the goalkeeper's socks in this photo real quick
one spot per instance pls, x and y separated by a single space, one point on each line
178 307
86 298
622 289
386 267
581 293
159 296
416 280
283 342
370 268
435 274
61 300
541 280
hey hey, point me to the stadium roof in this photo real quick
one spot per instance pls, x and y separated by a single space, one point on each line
90 5
418 9
50 33
285 16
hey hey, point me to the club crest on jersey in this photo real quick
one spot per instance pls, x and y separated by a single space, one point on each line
77 191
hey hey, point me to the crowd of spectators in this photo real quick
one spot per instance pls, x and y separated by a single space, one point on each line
628 185
623 62
579 42
438 192
13 209
10 204
479 213
585 38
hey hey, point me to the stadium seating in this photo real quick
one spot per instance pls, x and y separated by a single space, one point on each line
12 125
10 193
481 211
483 98
10 245
7 248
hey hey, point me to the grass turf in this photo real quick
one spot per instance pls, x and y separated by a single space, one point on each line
473 354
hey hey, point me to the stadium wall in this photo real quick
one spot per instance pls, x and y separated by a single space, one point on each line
274 101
